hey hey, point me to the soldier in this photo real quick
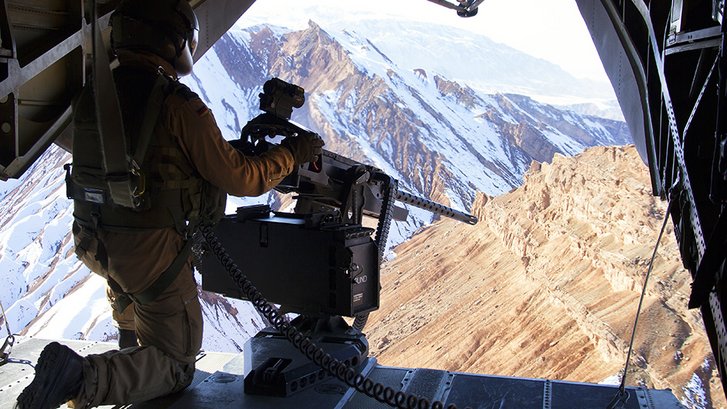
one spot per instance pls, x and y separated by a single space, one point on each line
189 168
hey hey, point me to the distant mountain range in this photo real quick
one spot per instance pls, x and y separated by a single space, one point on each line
380 99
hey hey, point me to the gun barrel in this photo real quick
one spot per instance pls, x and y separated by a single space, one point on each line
435 207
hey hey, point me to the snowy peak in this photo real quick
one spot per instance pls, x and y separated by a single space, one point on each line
378 104
462 56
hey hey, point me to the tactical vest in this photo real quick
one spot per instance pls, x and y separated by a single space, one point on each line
173 192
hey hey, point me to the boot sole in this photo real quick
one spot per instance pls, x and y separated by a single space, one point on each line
51 362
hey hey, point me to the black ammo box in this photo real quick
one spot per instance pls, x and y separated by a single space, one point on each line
307 269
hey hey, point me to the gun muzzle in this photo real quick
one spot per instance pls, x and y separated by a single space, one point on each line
435 207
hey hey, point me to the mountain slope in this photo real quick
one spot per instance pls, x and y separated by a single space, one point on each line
547 284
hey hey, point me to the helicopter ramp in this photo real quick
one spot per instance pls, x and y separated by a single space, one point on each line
218 384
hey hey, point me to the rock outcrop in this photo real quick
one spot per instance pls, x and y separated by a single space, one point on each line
547 284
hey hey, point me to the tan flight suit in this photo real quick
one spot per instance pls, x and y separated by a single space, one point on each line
169 328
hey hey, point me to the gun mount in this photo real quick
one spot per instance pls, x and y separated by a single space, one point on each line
319 260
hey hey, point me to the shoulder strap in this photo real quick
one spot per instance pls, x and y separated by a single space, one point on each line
153 107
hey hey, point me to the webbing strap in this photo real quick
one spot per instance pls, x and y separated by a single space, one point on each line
121 299
110 124
153 107
157 287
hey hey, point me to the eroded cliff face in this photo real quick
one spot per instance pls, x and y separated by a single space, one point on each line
547 284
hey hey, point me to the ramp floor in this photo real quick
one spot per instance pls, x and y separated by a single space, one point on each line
218 384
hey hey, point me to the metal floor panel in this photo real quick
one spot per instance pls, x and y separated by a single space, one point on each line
219 379
225 391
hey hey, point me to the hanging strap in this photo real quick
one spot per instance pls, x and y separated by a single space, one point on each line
120 174
622 395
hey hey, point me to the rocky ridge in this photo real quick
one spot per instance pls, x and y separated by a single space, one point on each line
547 284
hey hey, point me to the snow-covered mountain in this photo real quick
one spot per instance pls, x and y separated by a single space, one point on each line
372 100
418 104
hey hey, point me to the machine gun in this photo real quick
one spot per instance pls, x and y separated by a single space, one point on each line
320 260
291 256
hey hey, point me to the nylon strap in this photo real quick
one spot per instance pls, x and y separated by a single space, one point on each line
153 107
157 287
121 299
110 124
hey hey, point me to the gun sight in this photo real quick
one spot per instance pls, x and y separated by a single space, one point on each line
280 97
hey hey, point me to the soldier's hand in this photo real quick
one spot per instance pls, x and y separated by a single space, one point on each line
304 147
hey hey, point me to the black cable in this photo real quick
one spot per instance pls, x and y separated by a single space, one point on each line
317 355
622 395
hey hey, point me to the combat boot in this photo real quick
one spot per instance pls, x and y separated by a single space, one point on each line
58 378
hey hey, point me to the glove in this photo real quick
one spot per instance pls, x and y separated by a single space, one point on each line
305 147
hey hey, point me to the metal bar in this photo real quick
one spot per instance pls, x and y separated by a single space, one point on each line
35 67
547 394
18 166
697 45
446 4
715 303
671 117
694 36
699 98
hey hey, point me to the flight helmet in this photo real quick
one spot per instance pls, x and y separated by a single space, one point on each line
167 28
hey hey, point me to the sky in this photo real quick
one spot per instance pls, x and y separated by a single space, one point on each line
549 29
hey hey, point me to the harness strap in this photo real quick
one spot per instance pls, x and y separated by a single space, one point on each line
121 299
110 125
157 287
158 93
171 209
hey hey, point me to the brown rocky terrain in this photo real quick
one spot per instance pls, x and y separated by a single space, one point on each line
547 284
